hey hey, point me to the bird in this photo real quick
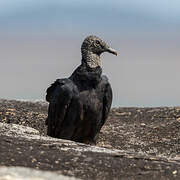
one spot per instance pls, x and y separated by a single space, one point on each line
79 105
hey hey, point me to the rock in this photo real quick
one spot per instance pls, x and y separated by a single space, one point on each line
17 130
137 145
21 173
75 159
178 119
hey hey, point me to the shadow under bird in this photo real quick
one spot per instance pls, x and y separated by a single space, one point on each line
79 105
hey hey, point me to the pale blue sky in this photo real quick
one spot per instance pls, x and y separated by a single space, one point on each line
116 14
40 41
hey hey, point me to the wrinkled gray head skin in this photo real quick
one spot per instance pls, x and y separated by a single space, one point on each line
91 49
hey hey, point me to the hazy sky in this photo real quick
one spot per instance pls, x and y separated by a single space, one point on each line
40 41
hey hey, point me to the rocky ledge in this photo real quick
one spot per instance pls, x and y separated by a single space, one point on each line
135 143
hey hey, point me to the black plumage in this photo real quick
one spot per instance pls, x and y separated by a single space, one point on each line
79 105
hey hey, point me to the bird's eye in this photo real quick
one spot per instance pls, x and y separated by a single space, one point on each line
97 42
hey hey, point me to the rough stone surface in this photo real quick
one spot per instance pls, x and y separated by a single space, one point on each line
135 143
21 173
17 130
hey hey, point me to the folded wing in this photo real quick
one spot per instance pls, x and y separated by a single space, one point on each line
64 108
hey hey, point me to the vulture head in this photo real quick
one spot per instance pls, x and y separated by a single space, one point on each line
91 49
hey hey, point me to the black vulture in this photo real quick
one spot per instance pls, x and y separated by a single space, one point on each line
79 105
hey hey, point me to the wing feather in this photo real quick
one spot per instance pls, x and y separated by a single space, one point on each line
106 105
60 95
107 100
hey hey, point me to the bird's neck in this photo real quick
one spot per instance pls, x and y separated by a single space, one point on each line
85 76
92 60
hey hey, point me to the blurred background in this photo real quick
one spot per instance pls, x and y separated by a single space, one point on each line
40 42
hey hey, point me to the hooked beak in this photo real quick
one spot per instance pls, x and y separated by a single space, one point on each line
112 51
